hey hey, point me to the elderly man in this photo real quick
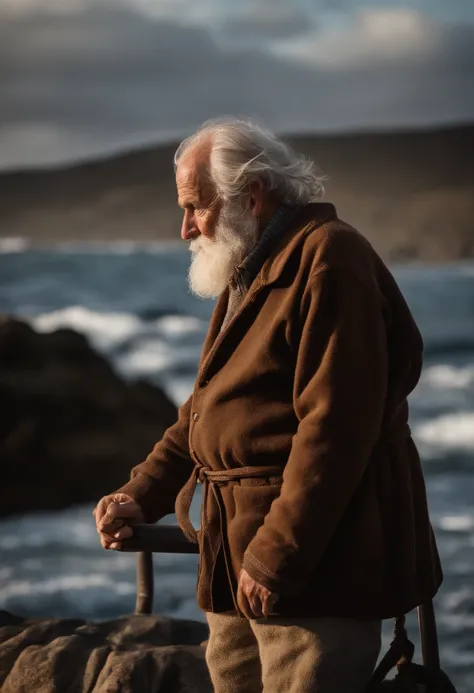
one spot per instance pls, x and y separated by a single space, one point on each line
314 522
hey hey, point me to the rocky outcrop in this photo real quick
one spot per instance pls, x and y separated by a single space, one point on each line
70 428
133 654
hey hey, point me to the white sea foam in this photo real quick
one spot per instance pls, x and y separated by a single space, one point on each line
146 359
457 523
115 247
64 583
180 389
105 330
39 535
446 376
465 269
13 244
455 599
148 349
179 324
18 244
451 431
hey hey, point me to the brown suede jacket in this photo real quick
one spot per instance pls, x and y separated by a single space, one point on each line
297 428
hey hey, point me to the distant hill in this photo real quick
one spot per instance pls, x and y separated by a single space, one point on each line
411 193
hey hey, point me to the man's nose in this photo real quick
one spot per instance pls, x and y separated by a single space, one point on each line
188 227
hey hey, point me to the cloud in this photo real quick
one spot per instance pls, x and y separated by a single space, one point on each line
378 35
83 76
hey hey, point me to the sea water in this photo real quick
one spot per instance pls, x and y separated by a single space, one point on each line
133 304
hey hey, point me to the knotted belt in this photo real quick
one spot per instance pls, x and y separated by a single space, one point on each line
209 477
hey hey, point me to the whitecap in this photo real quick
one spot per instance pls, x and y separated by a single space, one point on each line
444 376
43 537
450 431
163 360
65 583
152 349
148 358
179 390
457 599
105 330
466 269
38 530
173 325
125 247
456 523
13 244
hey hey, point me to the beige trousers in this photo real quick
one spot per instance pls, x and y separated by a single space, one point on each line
279 655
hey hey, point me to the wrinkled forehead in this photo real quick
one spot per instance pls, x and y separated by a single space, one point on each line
193 179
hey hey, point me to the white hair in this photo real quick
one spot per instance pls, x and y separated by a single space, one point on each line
243 151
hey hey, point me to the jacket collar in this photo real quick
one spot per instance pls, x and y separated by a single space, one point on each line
309 218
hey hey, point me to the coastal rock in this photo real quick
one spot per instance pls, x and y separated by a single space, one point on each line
133 654
70 428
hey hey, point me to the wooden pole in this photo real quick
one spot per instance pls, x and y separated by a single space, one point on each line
147 539
144 603
429 637
158 539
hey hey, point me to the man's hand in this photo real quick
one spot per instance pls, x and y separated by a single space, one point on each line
261 600
113 516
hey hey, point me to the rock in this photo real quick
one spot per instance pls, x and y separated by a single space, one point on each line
70 428
133 654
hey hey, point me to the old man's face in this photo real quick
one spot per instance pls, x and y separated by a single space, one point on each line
220 234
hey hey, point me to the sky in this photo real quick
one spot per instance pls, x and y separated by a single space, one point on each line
80 78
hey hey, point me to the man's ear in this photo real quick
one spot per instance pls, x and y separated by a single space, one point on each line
256 198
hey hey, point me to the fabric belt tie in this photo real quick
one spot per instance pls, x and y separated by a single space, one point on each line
207 476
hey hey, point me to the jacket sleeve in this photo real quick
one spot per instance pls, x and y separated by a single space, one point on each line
156 482
339 394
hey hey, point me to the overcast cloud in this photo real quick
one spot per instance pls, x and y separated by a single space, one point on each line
82 77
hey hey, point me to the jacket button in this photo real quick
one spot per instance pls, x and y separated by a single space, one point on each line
195 416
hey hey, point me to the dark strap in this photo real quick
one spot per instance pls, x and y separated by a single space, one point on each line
401 650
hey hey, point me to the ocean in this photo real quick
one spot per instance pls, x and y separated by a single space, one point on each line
132 302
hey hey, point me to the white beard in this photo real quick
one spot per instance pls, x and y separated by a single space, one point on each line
213 261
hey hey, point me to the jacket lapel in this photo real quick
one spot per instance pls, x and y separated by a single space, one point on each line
216 339
217 318
311 217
